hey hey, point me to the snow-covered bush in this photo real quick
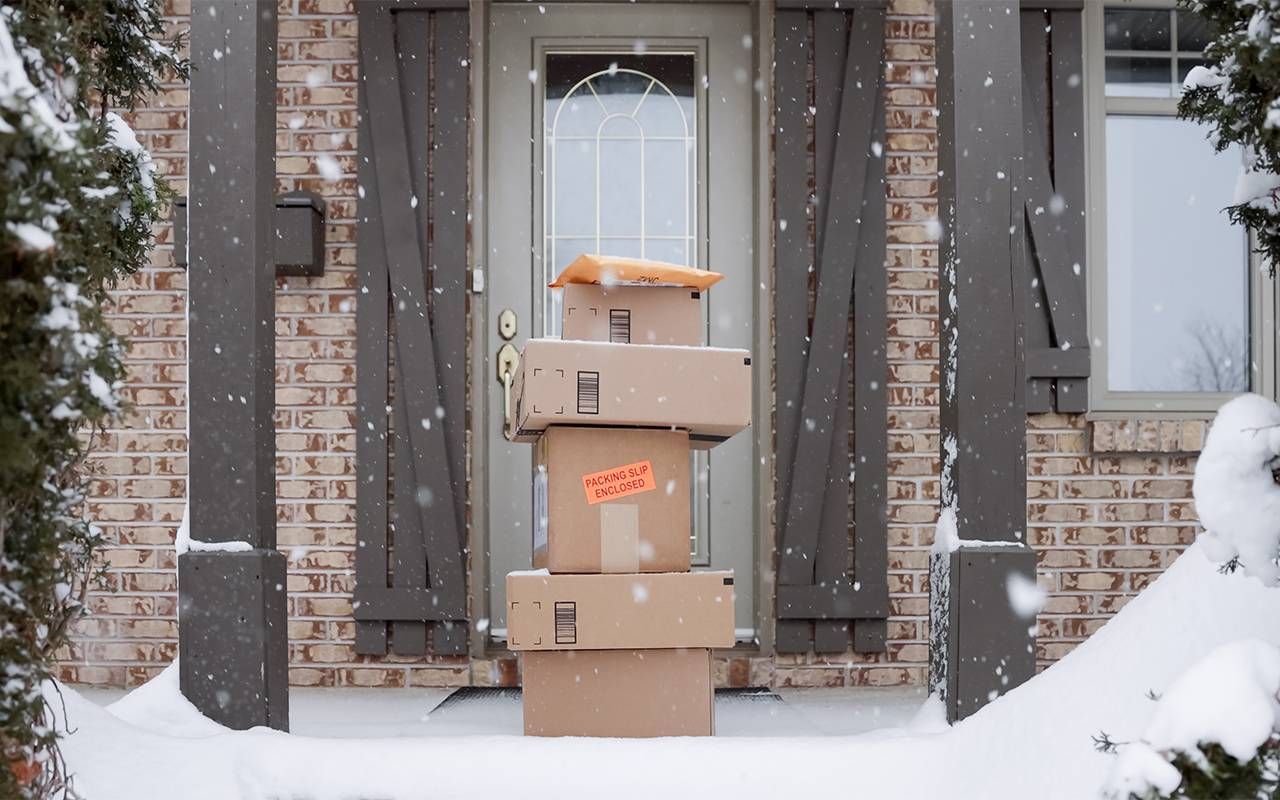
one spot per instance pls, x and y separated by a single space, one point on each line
79 199
1238 94
1237 498
1214 734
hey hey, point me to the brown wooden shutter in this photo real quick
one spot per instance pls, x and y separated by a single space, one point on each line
830 315
1057 343
411 318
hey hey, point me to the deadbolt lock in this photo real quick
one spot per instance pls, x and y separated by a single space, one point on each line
507 324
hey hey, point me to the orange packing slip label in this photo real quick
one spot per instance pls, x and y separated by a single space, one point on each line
611 484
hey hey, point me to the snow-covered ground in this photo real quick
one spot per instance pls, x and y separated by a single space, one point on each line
1034 742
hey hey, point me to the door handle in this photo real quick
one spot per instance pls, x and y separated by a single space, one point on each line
508 360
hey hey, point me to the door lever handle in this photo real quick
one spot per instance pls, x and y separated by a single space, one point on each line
508 360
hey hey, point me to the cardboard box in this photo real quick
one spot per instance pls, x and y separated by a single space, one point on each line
632 314
704 390
619 612
618 693
611 500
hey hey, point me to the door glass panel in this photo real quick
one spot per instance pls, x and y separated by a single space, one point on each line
620 142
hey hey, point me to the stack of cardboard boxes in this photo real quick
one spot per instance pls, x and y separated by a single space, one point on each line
615 631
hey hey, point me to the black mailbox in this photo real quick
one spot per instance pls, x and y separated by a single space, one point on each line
299 245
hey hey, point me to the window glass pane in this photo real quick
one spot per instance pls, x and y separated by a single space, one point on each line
573 189
1177 271
1193 31
1139 77
1127 29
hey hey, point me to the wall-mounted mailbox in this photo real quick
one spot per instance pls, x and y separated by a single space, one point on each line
299 245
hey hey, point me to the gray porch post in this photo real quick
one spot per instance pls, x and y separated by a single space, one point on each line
232 617
980 647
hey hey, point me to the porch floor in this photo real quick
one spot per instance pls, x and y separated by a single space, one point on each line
381 713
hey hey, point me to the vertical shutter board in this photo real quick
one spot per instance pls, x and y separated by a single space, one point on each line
403 253
409 558
447 260
1066 74
1035 66
839 236
792 258
870 635
792 255
831 46
371 390
410 524
870 381
450 150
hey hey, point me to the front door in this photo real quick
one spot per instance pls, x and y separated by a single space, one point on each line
623 129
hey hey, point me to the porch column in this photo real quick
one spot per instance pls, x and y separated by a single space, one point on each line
980 647
231 584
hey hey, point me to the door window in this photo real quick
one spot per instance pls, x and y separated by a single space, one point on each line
620 159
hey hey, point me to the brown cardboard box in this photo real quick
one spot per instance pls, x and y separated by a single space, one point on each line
611 500
618 612
632 314
704 390
618 693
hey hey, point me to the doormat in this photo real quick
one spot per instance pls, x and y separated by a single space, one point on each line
480 694
506 694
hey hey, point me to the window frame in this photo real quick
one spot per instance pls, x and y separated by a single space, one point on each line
1262 301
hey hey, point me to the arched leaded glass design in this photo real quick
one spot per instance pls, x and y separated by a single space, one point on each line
620 160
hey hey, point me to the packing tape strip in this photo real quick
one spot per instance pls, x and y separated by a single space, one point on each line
619 537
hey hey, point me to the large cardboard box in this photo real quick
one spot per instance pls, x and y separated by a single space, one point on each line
704 390
632 314
619 612
611 500
618 693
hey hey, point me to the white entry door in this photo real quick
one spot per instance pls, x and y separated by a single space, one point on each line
623 129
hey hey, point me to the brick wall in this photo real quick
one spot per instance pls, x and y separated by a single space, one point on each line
1109 507
1107 499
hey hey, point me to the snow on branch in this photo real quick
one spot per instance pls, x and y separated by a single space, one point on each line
1225 708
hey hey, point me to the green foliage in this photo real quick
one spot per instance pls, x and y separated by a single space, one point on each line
79 201
1239 97
1221 776
1212 774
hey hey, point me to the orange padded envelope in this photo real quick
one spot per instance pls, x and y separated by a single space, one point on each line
616 269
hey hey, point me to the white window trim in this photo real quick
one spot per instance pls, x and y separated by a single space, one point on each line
1262 289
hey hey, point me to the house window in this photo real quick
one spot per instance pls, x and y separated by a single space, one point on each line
1177 306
